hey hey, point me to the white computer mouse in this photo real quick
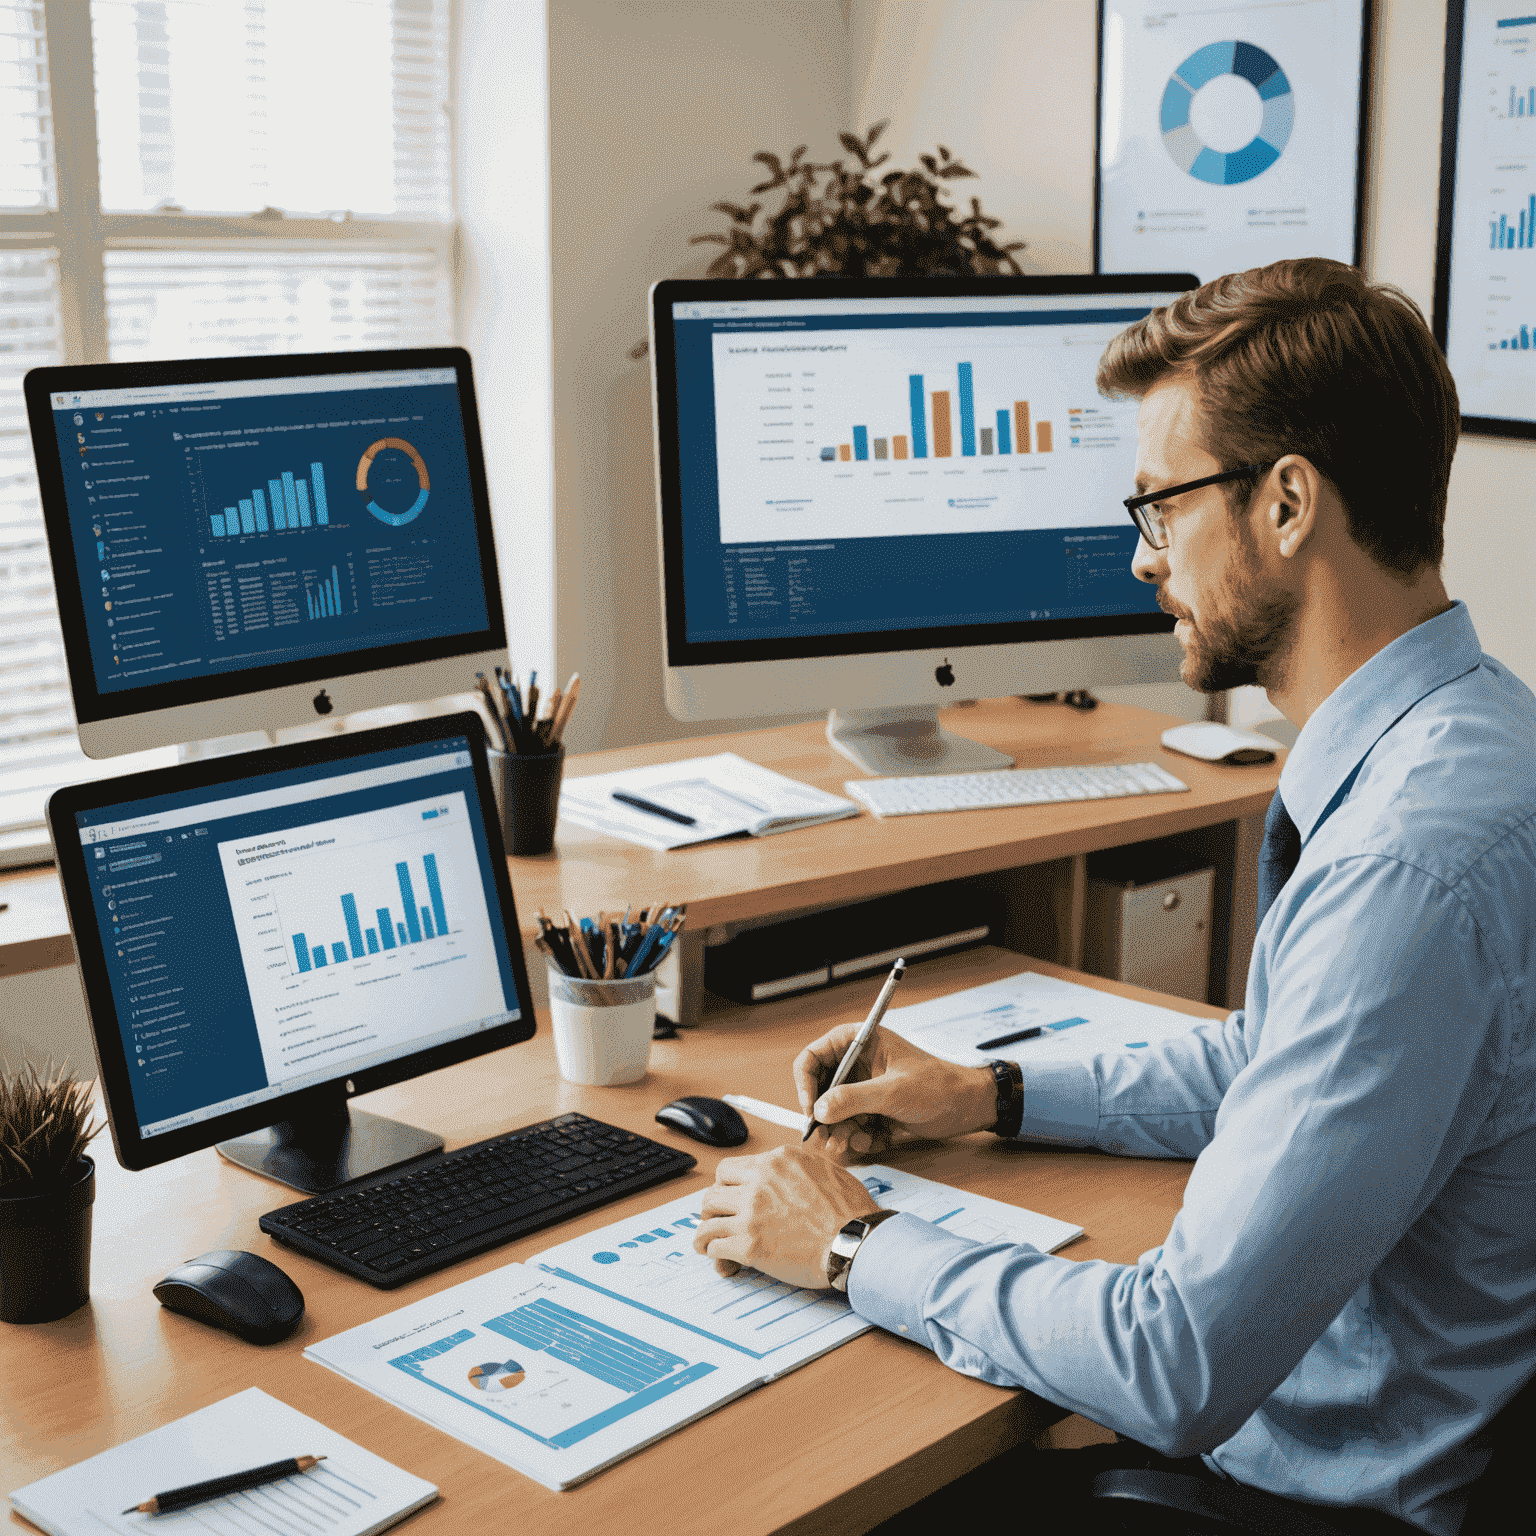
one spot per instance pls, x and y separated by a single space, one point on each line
1214 743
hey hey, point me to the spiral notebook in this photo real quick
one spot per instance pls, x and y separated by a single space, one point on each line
351 1493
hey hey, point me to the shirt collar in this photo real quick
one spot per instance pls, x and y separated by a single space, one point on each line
1360 711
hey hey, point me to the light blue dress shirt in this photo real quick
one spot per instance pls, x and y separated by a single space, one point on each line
1348 1295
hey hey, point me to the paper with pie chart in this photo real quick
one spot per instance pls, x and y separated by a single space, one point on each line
1228 134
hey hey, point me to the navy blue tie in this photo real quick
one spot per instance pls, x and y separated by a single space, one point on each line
1278 853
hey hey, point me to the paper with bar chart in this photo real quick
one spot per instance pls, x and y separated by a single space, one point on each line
547 1376
1227 134
648 1263
363 934
916 430
1487 282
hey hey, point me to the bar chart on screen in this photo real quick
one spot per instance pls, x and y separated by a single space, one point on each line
354 930
864 434
286 503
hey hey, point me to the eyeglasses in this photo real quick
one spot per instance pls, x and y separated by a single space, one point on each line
1149 521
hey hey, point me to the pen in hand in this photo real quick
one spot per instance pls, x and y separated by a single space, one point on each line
860 1040
217 1487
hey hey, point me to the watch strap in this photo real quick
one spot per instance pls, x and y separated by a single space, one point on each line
846 1244
1009 1078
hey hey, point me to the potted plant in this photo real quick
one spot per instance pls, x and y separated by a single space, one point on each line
855 224
47 1186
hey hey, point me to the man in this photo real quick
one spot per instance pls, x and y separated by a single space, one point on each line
1348 1295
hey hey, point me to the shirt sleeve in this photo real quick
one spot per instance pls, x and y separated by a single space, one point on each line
1160 1102
1359 1095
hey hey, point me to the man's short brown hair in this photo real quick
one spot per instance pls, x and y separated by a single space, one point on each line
1307 357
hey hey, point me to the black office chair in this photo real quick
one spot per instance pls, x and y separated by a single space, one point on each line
1174 1504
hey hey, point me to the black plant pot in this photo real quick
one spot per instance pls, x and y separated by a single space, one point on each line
45 1249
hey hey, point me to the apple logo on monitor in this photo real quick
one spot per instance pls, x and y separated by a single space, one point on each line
944 675
323 704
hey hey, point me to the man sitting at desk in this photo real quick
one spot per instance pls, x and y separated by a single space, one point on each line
1348 1296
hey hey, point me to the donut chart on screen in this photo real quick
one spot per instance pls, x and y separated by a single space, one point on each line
1184 145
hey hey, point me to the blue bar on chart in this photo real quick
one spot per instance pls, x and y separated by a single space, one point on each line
427 930
967 414
217 523
1520 343
408 896
435 891
317 954
1004 433
279 506
325 601
861 442
301 951
339 953
403 935
354 928
260 503
373 940
919 426
302 491
247 517
317 480
386 927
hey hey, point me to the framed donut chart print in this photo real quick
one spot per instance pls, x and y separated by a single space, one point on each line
1229 135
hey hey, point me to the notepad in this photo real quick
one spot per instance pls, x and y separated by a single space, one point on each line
562 1366
351 1493
725 795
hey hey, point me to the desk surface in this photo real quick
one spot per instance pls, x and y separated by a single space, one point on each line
901 1423
839 862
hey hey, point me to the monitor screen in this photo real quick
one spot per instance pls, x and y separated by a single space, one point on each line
850 468
225 528
256 927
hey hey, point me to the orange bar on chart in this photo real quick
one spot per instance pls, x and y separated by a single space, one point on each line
1021 426
941 448
898 447
845 451
1043 435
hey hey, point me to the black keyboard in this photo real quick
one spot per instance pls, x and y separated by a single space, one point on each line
397 1226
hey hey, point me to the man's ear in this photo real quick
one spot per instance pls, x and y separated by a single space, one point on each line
1291 497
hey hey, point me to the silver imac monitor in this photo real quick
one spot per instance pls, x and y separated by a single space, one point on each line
879 496
244 544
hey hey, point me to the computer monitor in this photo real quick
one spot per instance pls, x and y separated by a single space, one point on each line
876 496
242 544
263 936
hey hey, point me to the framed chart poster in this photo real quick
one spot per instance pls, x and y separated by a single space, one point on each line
1230 135
1485 258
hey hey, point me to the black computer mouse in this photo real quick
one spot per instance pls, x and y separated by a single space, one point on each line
243 1292
711 1121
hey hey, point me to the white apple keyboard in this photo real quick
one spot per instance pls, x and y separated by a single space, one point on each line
923 793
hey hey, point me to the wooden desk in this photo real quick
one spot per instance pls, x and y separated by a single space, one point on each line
902 1424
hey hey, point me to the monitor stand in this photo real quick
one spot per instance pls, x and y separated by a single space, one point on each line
907 741
328 1146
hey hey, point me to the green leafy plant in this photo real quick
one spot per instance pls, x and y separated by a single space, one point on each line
45 1126
856 224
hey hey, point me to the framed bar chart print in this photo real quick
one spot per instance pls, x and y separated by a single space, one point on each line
1485 258
1229 135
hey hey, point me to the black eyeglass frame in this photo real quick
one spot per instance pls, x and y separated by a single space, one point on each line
1144 526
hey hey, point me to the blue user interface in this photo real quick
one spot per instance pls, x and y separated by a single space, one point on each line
285 930
853 466
222 527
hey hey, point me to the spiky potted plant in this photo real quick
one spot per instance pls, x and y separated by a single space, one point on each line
47 1187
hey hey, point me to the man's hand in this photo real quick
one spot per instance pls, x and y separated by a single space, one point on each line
778 1212
894 1087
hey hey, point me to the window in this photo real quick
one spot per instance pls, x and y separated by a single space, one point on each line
196 178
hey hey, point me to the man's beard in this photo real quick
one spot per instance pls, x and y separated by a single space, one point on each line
1241 642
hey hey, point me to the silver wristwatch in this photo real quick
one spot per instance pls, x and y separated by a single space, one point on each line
846 1244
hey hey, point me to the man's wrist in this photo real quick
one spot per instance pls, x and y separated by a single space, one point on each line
845 1247
1008 1082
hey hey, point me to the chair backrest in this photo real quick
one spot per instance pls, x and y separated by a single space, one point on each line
1506 1482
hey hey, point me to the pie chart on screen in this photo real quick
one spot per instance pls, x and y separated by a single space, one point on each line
1227 113
496 1376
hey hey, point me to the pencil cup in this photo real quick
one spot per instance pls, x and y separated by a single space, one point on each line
527 787
602 1028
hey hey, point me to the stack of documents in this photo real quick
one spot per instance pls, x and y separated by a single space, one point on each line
1073 1022
351 1493
564 1365
724 796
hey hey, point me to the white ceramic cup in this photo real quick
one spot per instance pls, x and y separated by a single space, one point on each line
602 1028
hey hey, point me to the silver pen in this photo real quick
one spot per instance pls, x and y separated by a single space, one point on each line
860 1040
